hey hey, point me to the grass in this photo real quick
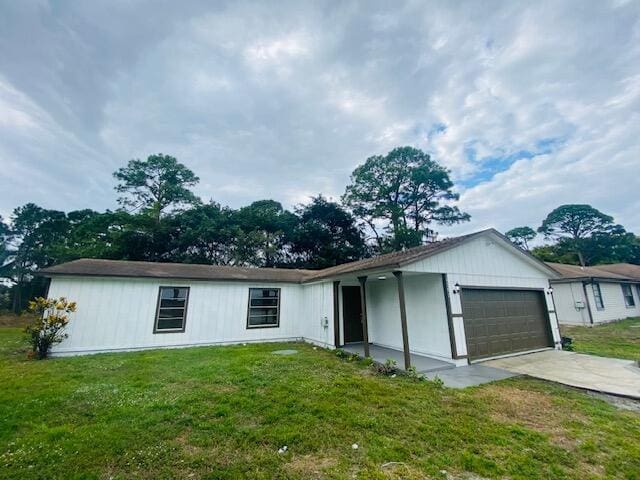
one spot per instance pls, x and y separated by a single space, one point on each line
223 413
617 339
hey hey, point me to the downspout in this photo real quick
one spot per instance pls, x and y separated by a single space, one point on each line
586 299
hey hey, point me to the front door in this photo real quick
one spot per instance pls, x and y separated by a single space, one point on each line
352 314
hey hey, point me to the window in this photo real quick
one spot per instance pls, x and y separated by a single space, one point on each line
628 295
264 307
172 309
597 295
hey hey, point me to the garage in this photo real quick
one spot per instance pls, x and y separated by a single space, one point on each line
498 322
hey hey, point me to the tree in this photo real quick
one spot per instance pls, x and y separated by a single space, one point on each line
34 230
405 191
155 184
205 234
326 235
5 235
266 230
575 222
521 236
614 246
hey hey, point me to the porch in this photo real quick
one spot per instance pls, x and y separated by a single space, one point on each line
380 354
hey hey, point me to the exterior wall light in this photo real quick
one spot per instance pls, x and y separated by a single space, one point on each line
549 290
456 288
382 277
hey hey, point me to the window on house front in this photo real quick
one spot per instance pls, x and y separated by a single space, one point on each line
597 295
628 295
172 309
264 307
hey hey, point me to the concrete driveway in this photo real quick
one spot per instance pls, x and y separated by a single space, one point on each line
601 374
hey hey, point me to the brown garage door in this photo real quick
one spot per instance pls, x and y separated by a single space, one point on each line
497 322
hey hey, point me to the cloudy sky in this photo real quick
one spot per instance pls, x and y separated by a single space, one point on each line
530 104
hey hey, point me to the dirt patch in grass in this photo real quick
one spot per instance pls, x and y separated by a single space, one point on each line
531 409
310 466
12 320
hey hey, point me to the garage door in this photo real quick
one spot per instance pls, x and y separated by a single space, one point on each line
497 322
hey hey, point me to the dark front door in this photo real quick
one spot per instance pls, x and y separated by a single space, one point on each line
497 322
352 314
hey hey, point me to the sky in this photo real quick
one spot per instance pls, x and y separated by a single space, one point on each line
530 104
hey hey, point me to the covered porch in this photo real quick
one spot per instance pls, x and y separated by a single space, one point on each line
399 315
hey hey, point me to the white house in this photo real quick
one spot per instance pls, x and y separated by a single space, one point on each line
592 295
457 300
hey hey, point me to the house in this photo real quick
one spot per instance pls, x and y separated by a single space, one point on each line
592 295
454 301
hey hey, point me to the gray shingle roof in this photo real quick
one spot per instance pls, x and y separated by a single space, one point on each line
611 272
123 268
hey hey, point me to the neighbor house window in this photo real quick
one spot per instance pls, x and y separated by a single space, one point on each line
597 295
628 295
264 307
171 313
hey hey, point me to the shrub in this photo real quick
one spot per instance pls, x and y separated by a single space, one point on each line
50 317
412 373
567 344
389 367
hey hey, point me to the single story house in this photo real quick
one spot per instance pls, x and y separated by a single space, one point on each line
457 300
593 295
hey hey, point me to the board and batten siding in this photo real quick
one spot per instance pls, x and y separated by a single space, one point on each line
486 261
119 314
426 315
613 300
565 296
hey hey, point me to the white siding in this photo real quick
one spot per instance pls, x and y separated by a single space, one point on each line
316 305
613 300
486 262
565 296
426 314
119 313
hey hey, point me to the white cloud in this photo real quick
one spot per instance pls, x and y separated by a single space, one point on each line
284 102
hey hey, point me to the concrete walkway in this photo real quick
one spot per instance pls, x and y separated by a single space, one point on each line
381 354
600 374
470 375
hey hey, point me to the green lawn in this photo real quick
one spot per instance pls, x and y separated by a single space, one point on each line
617 339
223 412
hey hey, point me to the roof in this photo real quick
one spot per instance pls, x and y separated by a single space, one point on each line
618 271
122 268
625 269
394 259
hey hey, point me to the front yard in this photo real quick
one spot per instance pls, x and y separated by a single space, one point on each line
617 339
223 412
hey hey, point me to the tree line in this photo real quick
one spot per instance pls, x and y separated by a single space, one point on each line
580 235
392 202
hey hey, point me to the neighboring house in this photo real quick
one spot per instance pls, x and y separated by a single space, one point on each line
456 300
592 295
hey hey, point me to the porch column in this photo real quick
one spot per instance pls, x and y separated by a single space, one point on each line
336 313
403 320
363 307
